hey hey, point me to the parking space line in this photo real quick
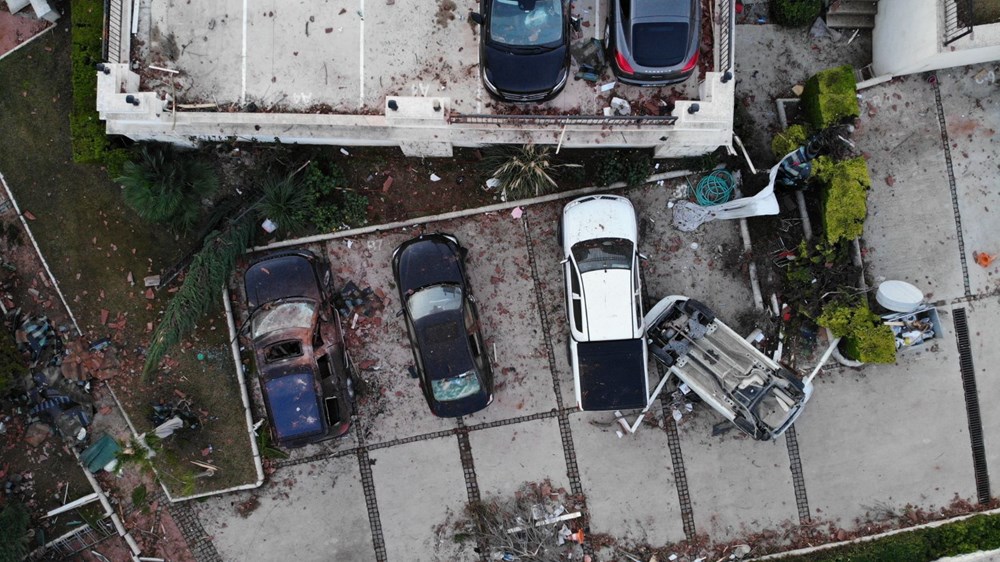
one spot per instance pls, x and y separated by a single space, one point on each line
371 502
946 146
243 56
565 432
361 54
471 482
798 477
972 406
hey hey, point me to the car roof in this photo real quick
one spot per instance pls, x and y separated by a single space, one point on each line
429 259
444 344
279 276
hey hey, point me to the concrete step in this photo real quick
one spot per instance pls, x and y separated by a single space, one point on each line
850 21
44 11
16 6
854 7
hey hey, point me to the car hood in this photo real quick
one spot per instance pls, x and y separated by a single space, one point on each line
609 305
294 405
524 73
598 217
428 261
281 277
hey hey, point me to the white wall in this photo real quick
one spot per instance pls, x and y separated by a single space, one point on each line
908 39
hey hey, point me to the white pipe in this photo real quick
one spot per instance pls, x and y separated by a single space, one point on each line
800 201
25 44
241 377
465 213
72 505
38 250
108 510
739 143
822 360
840 358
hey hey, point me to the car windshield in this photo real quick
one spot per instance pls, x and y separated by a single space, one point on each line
295 314
455 388
603 253
659 44
434 299
526 23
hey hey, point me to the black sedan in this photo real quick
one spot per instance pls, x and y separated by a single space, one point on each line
524 48
305 374
443 325
653 42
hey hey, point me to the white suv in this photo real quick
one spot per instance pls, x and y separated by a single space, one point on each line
599 237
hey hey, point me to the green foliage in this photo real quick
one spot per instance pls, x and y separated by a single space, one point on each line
867 338
980 532
167 186
115 160
795 13
268 450
12 364
207 274
285 202
830 97
86 130
630 166
140 498
789 140
333 205
14 537
844 197
135 454
523 171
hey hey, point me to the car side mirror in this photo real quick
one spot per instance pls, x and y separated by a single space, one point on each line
643 257
577 23
476 18
564 261
399 313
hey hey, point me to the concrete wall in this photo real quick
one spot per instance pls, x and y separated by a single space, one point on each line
908 38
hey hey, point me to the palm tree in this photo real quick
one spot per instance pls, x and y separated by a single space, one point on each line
523 171
167 186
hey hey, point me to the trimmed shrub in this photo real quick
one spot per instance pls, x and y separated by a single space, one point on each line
14 537
167 186
789 140
830 97
844 197
866 337
795 13
86 130
630 166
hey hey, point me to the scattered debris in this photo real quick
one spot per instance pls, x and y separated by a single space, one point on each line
983 259
435 177
517 212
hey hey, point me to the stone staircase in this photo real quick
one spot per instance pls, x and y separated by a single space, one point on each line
852 14
41 8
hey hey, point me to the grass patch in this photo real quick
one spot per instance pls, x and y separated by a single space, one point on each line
92 241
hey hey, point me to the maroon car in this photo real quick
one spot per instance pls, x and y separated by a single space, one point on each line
305 374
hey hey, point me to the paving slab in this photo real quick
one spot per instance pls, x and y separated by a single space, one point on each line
910 233
393 407
888 436
500 276
421 489
309 512
738 485
972 115
982 316
628 481
508 456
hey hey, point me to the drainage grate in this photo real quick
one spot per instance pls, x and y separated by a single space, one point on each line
946 146
471 483
368 485
680 475
972 406
798 479
199 543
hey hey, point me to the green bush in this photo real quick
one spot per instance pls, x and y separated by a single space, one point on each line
333 205
866 338
844 197
830 97
89 141
166 186
795 13
789 140
630 166
14 538
12 363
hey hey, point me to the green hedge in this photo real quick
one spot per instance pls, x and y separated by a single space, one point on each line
789 140
830 96
981 532
88 134
795 13
844 197
867 338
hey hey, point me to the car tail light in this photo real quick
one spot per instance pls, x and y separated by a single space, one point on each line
691 63
622 63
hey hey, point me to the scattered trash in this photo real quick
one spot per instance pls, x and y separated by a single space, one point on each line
269 226
101 455
798 89
435 177
517 212
608 87
151 281
350 243
620 106
344 152
367 302
820 29
387 184
983 259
